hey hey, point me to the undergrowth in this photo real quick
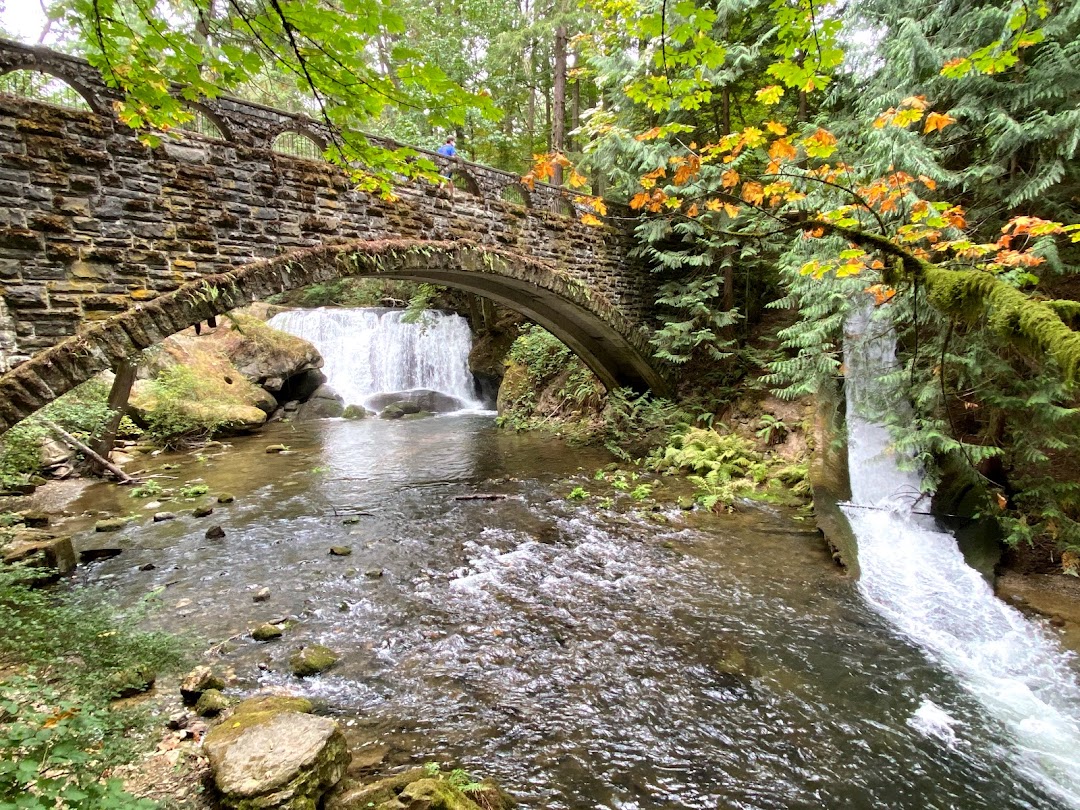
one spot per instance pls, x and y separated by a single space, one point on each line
63 658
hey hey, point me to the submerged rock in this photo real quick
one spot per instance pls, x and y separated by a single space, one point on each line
266 632
270 756
391 412
205 510
311 660
415 400
215 533
226 497
262 595
340 551
420 789
354 412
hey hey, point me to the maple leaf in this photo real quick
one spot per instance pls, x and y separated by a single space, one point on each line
821 144
591 219
692 211
776 128
753 193
881 293
935 122
782 149
731 210
576 180
914 102
648 135
729 179
770 95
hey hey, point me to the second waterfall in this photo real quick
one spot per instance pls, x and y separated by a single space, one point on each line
371 351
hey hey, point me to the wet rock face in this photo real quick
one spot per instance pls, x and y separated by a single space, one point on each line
416 400
324 403
270 757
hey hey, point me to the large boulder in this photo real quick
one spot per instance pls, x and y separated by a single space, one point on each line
324 403
415 400
268 755
198 383
266 356
53 556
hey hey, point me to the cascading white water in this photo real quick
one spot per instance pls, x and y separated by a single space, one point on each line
916 578
370 351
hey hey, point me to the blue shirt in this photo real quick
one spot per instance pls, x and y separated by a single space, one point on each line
447 150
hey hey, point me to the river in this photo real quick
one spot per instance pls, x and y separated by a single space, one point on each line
584 657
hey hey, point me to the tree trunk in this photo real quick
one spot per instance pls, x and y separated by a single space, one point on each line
118 400
558 101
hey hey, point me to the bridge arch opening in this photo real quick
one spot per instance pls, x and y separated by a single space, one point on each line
466 182
297 144
46 87
593 328
204 124
516 194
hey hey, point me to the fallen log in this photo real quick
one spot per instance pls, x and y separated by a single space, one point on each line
75 444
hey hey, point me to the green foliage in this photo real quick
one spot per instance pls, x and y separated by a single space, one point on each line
82 412
578 494
541 353
58 735
150 489
54 750
193 490
420 303
183 407
725 467
634 424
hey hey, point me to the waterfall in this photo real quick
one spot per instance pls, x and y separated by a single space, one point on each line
371 351
915 577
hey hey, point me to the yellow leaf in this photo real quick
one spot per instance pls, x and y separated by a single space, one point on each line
731 210
590 219
769 95
914 102
713 205
576 180
776 128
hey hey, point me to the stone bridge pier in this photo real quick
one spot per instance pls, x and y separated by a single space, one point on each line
108 246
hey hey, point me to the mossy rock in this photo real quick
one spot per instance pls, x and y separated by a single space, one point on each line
391 412
211 703
351 795
354 412
340 551
110 524
226 497
132 681
266 632
198 681
311 660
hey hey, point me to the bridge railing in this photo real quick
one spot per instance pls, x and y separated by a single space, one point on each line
250 124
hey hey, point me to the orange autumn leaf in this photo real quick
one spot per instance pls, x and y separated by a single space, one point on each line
776 128
591 219
935 122
576 180
782 149
881 293
648 135
731 210
692 211
753 193
729 179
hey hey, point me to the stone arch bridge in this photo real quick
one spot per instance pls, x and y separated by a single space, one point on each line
108 246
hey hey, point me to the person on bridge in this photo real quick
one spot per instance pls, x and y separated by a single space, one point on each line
448 150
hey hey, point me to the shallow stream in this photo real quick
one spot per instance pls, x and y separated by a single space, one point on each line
583 657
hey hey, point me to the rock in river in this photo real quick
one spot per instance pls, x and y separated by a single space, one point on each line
269 756
311 660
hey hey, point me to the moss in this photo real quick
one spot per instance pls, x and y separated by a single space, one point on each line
312 660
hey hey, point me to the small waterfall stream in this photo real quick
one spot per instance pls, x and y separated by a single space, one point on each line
371 351
915 577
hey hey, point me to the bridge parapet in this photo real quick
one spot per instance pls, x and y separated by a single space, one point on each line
94 223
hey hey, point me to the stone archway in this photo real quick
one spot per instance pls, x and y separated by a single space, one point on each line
592 327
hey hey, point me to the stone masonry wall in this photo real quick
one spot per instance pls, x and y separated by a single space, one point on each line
93 222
